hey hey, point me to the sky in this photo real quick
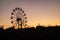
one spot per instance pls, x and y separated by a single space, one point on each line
45 12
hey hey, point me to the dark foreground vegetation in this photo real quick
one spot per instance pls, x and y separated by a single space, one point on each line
38 33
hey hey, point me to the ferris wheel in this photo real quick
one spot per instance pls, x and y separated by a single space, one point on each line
18 18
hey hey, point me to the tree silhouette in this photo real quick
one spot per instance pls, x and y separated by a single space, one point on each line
38 33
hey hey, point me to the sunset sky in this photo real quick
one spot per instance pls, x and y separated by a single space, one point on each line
45 12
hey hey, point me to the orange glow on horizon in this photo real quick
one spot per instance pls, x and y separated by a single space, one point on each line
34 24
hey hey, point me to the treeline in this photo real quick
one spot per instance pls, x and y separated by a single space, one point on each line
38 33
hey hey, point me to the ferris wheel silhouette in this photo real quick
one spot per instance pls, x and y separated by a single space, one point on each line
18 18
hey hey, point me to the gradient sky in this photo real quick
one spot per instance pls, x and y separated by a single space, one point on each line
45 12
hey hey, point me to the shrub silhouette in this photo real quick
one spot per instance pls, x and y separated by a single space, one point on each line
38 33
